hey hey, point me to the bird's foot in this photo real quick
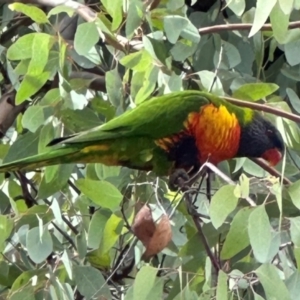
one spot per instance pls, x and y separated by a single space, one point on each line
178 180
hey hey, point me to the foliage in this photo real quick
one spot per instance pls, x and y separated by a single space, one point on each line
65 231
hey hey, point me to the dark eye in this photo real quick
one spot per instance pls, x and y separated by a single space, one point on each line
269 132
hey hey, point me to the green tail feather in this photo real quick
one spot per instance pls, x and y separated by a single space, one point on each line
58 156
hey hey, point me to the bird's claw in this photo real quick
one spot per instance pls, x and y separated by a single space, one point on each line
178 179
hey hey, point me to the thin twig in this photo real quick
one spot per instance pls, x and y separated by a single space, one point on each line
65 235
245 26
74 187
227 179
265 108
271 170
191 209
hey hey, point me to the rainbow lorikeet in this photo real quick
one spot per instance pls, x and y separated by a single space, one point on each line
180 130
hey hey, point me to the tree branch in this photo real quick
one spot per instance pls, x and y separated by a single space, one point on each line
245 26
265 108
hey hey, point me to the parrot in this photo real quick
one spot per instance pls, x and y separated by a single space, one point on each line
179 130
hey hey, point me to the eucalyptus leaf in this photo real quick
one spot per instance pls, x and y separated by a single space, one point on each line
259 231
86 37
144 283
100 192
39 247
34 13
262 12
90 282
222 204
273 286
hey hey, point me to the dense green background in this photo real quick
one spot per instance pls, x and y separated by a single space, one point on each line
67 68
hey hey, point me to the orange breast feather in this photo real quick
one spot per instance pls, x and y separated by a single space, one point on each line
217 133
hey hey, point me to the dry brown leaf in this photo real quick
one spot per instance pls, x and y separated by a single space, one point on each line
143 226
155 237
160 239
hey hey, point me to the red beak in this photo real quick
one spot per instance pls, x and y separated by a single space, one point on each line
272 156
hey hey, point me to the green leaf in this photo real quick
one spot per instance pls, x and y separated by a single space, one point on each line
183 49
295 231
243 188
48 133
54 179
238 7
259 231
96 228
30 218
86 37
21 48
39 247
81 244
25 277
52 97
102 193
286 6
33 118
296 251
297 4
41 45
91 283
103 107
24 146
262 12
280 23
8 274
103 172
32 45
4 202
293 284
294 99
258 297
271 282
6 226
62 9
222 204
232 54
291 52
115 9
222 286
79 120
253 169
173 26
237 238
209 81
27 293
139 61
67 263
111 233
149 83
255 91
30 85
33 12
114 87
135 16
144 282
294 191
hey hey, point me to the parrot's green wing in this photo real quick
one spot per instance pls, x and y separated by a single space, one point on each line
156 118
